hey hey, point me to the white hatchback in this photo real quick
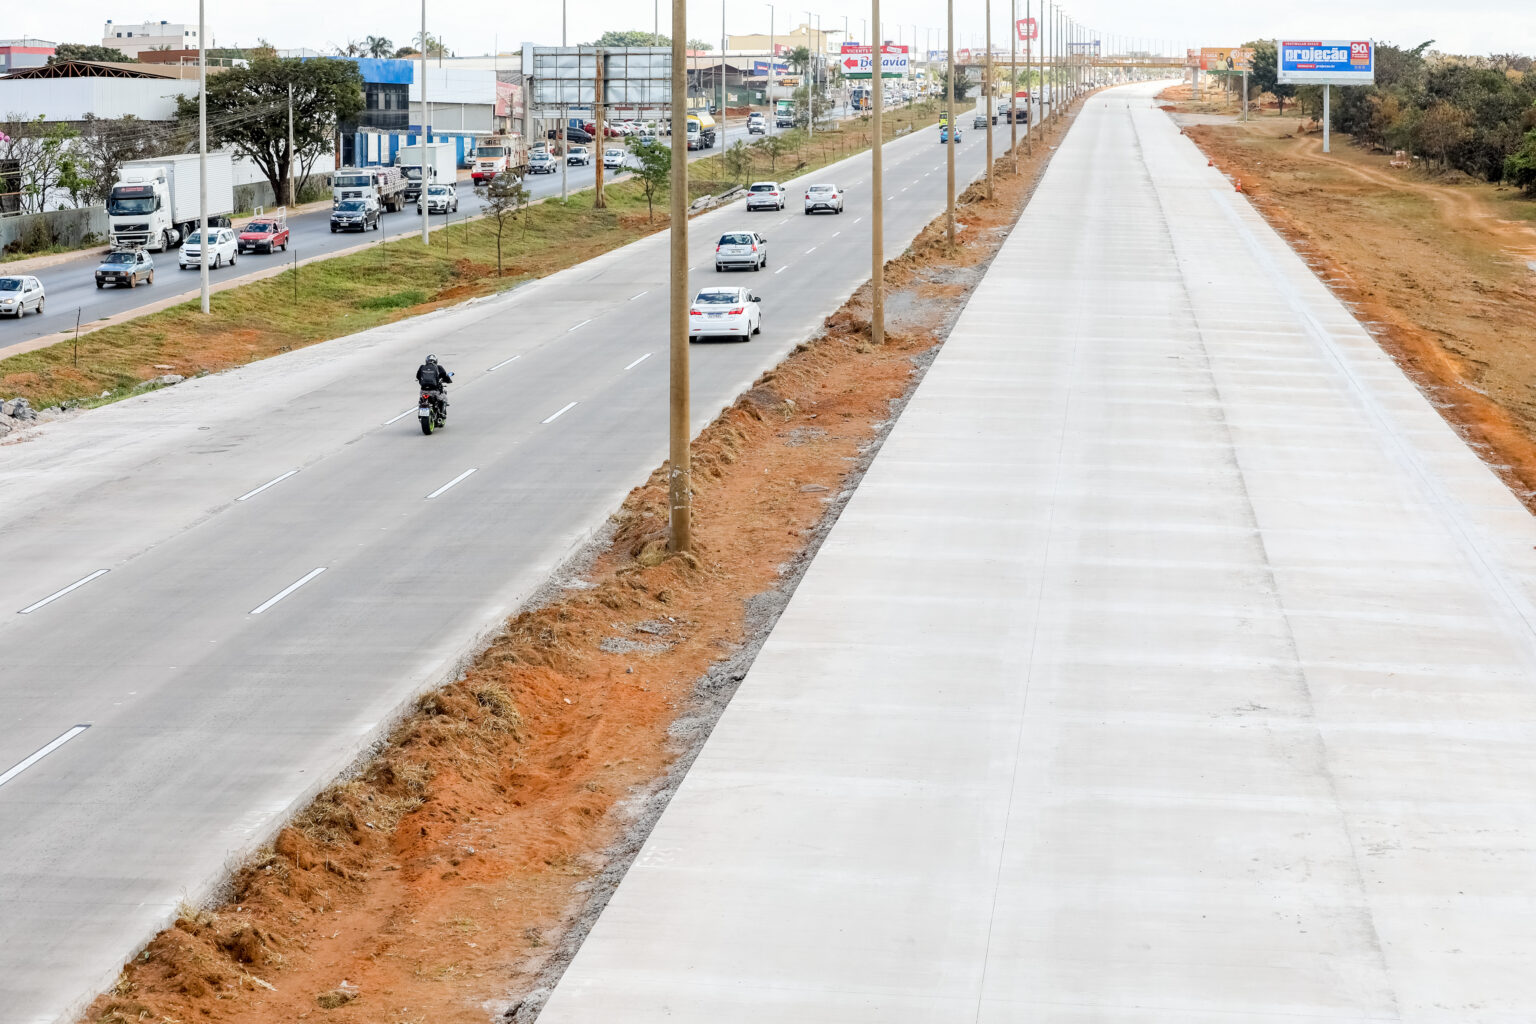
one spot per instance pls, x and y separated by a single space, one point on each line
18 294
614 158
725 312
224 248
823 197
765 195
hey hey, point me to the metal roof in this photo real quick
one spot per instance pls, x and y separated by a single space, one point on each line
105 69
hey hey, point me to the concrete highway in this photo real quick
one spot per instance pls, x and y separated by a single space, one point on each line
233 584
71 285
1173 662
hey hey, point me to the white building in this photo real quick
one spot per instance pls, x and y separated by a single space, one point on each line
150 35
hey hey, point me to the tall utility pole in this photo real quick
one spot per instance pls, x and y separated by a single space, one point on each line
773 63
990 88
292 188
599 201
949 142
1013 82
202 155
426 131
1040 52
562 140
680 471
724 145
877 177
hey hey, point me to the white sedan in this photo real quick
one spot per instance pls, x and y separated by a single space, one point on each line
18 294
765 195
224 248
440 199
823 197
725 312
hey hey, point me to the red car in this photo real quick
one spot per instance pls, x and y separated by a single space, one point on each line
609 131
264 234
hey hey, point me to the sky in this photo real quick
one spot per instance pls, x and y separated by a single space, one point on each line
478 26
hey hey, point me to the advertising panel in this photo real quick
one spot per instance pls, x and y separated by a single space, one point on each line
1028 29
857 61
1223 60
1327 62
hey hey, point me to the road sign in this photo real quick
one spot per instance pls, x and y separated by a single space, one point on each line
1331 62
858 61
1028 29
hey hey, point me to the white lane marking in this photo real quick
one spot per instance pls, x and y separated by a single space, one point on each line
889 198
400 417
810 250
44 752
637 362
269 483
632 298
290 588
903 188
498 366
836 233
584 323
857 219
563 410
54 597
781 270
784 221
458 479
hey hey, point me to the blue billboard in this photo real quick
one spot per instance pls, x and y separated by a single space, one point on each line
1327 62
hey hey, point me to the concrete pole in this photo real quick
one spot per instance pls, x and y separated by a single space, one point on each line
1013 81
679 480
772 65
949 148
724 102
990 88
562 142
426 119
810 85
202 155
600 136
1327 116
292 187
1039 90
1245 94
877 177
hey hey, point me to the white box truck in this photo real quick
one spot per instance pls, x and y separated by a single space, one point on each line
442 166
154 202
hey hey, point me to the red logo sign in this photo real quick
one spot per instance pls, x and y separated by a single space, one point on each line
1028 28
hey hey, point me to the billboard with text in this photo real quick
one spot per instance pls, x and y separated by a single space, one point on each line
1327 62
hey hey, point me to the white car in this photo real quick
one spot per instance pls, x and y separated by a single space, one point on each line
440 199
18 294
613 158
224 248
579 156
542 163
766 195
823 197
741 249
725 312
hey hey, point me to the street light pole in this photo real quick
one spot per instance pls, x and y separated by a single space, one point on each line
426 132
989 88
772 63
1013 81
877 177
679 476
724 144
949 140
810 86
562 134
202 156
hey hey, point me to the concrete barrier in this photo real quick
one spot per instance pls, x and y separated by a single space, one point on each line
36 231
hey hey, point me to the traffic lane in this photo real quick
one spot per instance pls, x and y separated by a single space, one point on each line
169 661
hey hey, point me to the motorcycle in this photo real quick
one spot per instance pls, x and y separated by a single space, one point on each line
432 410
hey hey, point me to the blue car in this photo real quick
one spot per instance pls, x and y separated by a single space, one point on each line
944 135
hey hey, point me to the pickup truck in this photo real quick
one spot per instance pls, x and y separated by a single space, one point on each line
265 233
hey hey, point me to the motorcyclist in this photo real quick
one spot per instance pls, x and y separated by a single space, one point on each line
432 375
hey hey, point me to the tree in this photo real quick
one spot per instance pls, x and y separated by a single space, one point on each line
433 46
799 59
737 159
352 48
654 170
699 44
378 46
38 152
1442 128
631 37
505 199
773 146
105 143
1520 166
88 51
962 85
248 109
1265 76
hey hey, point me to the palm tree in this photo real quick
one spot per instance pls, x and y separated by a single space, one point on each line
378 46
800 58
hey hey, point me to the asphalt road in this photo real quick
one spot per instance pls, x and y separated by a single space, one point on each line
71 285
234 583
1172 664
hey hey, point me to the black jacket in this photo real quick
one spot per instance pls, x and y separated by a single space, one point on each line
433 376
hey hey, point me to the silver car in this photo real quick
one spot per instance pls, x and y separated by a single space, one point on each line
823 197
18 294
741 249
765 195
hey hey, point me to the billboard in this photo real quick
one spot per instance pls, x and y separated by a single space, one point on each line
1224 60
633 76
760 67
1028 29
858 61
1327 62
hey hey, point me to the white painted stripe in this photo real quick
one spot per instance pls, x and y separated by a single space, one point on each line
637 362
584 323
810 250
836 233
269 483
458 479
781 270
290 588
504 362
564 409
54 597
632 298
400 417
857 219
44 752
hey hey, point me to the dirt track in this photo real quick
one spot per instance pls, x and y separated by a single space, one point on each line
453 876
1437 270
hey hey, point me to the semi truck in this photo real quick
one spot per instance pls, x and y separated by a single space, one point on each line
701 130
383 186
154 203
499 154
441 162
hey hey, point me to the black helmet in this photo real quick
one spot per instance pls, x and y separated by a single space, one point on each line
431 360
